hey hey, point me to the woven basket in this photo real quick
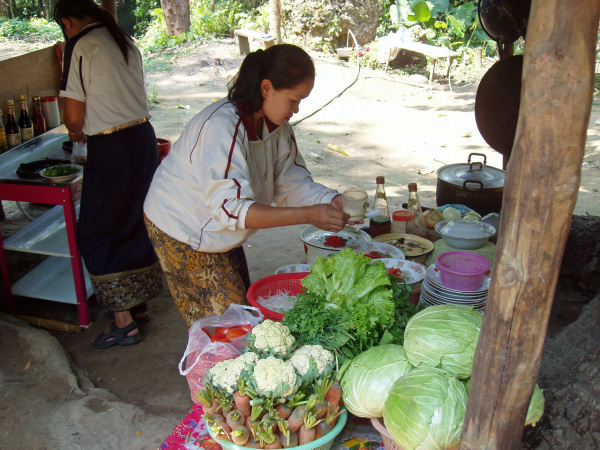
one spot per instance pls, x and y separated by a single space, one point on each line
268 286
323 443
388 441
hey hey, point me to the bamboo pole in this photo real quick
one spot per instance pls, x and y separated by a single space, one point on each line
542 182
50 324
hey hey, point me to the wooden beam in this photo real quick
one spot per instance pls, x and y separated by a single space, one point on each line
542 182
111 7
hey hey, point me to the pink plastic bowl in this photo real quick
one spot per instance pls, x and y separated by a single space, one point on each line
462 271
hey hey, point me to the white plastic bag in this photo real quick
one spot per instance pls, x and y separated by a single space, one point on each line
79 155
202 354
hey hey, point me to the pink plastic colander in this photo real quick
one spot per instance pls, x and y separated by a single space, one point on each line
462 271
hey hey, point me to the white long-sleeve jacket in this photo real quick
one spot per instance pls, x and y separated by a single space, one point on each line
201 192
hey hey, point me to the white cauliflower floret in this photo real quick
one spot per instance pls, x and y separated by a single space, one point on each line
225 374
271 371
300 359
270 335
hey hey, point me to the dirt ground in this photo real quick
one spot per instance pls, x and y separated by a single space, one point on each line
58 392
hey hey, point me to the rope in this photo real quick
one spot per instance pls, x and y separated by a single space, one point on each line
341 92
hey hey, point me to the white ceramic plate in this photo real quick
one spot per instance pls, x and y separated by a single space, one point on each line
63 178
411 271
377 250
316 241
293 268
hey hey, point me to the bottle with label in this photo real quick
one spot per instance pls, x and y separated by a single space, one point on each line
13 132
415 223
25 122
3 145
39 123
380 224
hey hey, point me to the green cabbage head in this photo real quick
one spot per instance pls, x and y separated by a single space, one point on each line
443 336
369 377
425 409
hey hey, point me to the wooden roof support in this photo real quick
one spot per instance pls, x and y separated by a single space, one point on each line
111 7
542 182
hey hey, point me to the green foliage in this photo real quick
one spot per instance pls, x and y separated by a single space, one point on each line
451 23
219 20
335 29
35 29
143 14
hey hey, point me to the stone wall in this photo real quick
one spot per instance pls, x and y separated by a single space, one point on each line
309 23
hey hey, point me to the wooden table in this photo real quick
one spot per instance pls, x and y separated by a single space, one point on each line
60 277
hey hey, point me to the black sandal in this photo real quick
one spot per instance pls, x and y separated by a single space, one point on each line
135 313
117 336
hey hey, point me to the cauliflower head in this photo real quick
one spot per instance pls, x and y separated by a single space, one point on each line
225 374
273 336
300 359
270 372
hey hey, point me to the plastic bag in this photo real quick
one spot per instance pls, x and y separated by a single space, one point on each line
201 354
79 155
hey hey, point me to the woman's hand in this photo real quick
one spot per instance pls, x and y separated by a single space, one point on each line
327 217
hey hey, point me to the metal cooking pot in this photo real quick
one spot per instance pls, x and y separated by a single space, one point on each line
473 184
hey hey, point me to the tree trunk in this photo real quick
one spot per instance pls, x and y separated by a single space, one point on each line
111 7
275 20
542 181
177 16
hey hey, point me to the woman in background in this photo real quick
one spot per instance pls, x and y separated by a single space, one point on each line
105 105
217 185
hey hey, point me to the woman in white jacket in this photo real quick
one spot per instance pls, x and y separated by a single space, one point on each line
217 185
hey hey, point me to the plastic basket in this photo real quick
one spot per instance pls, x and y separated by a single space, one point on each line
323 443
388 441
462 271
269 286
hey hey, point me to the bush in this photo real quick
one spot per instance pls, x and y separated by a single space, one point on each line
32 30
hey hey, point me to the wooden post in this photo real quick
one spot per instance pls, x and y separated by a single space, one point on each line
111 7
542 182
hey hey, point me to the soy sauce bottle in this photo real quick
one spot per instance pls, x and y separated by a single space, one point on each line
381 224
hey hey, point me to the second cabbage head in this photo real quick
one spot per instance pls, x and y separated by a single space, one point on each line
370 376
443 336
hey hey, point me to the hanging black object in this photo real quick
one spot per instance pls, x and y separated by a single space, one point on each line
497 104
504 20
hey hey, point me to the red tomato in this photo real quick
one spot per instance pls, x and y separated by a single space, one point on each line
206 331
236 332
223 330
219 337
247 328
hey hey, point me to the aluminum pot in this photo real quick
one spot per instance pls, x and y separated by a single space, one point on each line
473 184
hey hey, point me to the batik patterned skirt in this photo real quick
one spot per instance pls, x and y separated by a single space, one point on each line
111 235
200 283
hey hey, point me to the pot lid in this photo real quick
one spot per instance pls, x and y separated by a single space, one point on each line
472 175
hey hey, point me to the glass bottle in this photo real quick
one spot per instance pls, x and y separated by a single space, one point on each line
415 222
25 122
380 224
3 145
13 132
39 123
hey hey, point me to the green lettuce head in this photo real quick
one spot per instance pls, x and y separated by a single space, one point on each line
425 409
370 376
443 336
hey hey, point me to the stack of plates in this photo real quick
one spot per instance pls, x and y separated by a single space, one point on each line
434 293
